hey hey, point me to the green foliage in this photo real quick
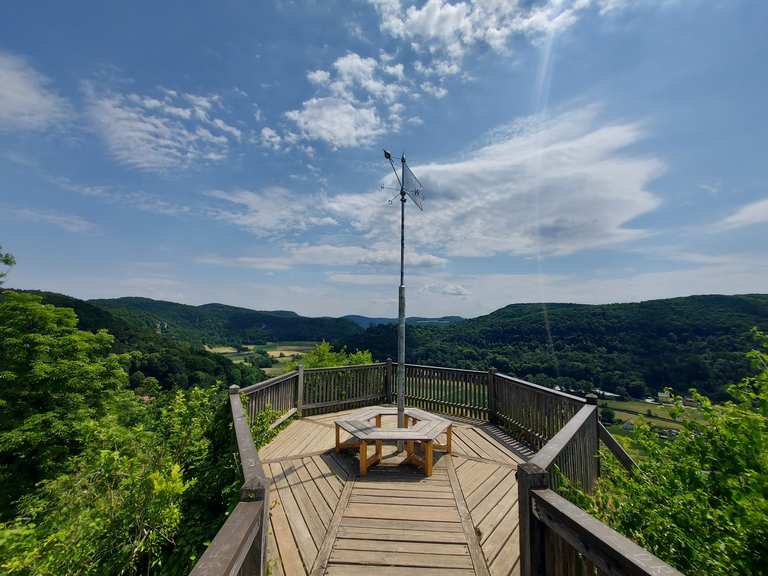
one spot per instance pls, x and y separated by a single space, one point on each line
6 259
324 356
681 343
53 379
701 502
102 473
607 415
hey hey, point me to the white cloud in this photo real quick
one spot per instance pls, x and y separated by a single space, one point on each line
270 138
329 255
173 131
254 262
338 122
446 289
134 199
542 185
68 222
754 213
352 101
270 212
444 31
26 100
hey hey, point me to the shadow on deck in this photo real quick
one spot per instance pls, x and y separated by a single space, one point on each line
324 519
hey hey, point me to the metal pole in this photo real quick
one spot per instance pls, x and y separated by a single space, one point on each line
401 311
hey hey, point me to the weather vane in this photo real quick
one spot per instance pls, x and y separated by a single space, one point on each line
409 187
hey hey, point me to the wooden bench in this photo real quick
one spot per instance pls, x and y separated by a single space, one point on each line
424 431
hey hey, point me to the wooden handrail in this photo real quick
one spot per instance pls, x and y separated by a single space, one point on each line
616 449
610 552
232 549
256 483
240 545
542 389
344 368
268 383
552 449
465 370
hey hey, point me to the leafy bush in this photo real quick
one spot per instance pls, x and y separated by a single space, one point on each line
701 501
324 356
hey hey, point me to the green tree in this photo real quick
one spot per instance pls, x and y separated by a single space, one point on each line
7 259
324 356
607 415
701 501
52 383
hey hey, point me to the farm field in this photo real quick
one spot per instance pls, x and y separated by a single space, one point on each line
656 410
282 352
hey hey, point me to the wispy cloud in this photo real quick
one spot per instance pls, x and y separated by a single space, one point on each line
543 185
27 100
270 212
68 222
134 199
753 213
166 131
337 255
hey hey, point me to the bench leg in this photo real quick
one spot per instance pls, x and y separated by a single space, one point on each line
428 458
378 421
379 445
449 436
338 443
408 449
363 458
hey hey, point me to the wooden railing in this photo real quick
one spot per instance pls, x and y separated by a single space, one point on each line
531 413
333 389
239 547
556 537
572 452
447 390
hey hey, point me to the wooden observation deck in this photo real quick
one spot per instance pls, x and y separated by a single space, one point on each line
490 507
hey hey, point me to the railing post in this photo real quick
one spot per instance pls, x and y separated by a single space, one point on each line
388 382
492 396
592 399
300 391
530 477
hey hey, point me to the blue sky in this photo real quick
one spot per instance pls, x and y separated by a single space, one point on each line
571 150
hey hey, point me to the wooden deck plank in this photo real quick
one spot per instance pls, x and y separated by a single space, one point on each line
324 511
296 521
478 475
396 512
323 485
311 517
398 534
502 489
324 552
486 486
288 552
507 563
494 450
354 570
398 547
478 560
273 554
499 537
400 523
374 558
397 493
507 505
391 500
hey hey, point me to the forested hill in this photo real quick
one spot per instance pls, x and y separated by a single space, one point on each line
220 324
172 363
695 341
